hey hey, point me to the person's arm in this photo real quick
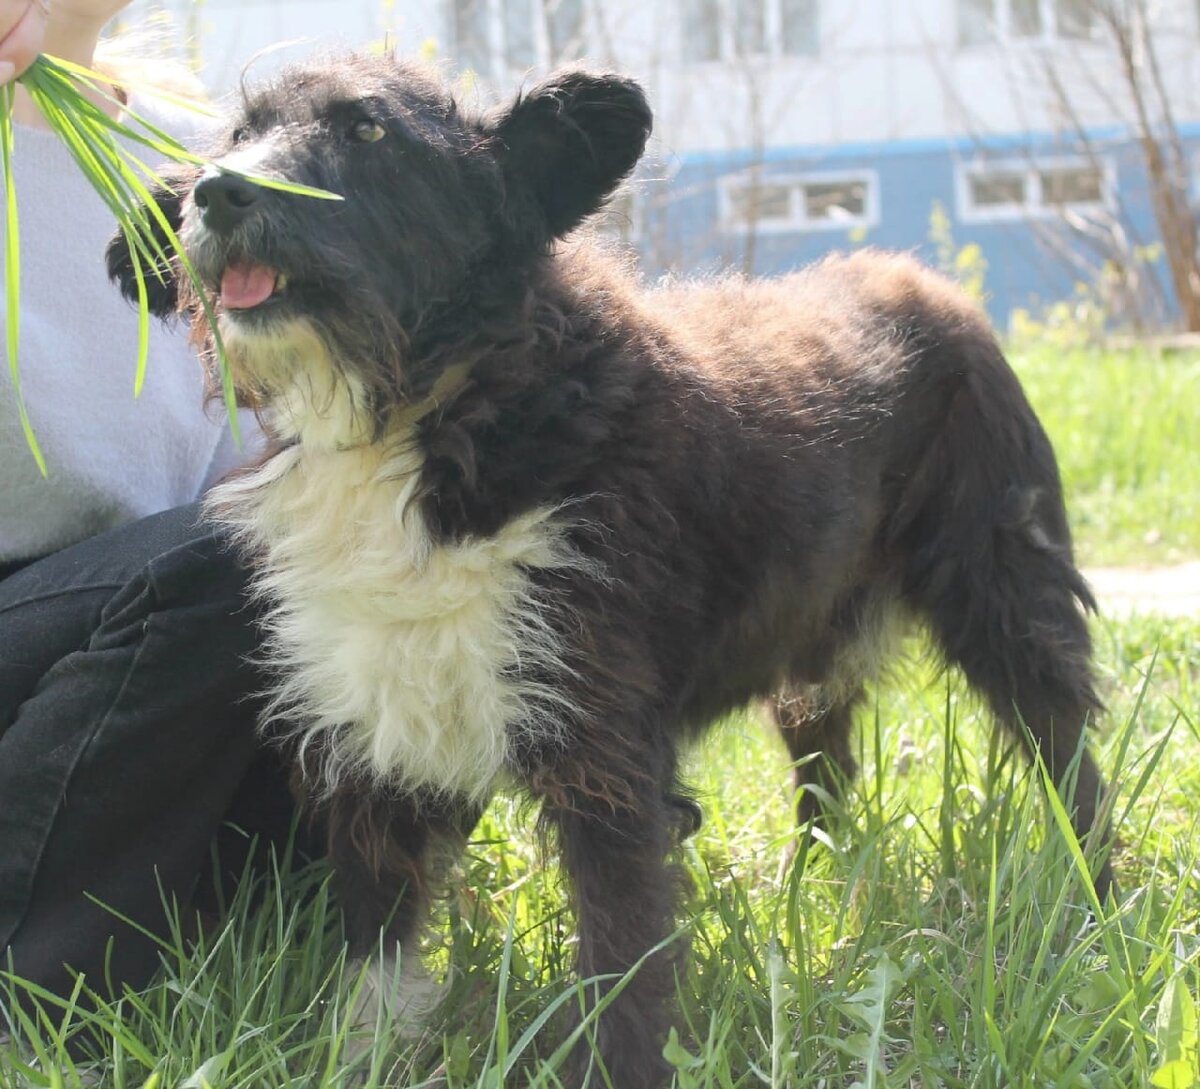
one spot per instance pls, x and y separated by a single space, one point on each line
230 457
22 34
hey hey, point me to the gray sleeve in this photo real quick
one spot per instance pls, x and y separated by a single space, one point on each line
228 456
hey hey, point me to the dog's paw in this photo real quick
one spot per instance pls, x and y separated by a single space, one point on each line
397 996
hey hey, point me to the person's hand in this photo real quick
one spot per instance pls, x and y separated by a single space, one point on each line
22 31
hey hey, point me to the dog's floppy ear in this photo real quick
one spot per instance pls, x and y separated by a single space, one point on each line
570 141
162 294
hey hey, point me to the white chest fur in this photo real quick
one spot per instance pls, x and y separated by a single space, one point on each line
409 662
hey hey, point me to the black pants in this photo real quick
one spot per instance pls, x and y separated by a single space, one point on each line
127 739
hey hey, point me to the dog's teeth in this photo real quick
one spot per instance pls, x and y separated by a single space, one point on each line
281 282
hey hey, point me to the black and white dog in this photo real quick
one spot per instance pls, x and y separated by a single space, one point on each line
532 523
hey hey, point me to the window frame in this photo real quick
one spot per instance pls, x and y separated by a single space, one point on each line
495 48
1048 14
727 34
798 221
1031 169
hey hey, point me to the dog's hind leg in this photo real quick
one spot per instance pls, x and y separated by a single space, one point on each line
390 854
987 562
1024 645
816 732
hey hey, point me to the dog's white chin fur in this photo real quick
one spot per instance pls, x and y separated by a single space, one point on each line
403 661
310 398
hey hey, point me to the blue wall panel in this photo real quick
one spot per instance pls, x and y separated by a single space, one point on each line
682 231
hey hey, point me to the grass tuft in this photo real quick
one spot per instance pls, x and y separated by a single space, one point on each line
101 147
934 938
1126 430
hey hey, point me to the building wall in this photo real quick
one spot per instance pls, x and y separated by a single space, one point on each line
679 226
891 91
886 69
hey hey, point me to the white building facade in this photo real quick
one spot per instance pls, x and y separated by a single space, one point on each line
786 128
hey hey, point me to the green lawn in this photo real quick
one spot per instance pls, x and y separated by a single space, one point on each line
939 936
1126 427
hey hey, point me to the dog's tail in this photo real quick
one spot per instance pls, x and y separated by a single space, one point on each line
980 533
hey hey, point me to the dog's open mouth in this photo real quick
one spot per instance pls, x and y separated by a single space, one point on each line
245 285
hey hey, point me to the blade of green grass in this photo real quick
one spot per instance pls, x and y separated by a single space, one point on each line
139 376
90 75
107 165
12 274
158 139
94 138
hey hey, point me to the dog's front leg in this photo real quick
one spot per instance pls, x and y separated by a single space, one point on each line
615 852
390 854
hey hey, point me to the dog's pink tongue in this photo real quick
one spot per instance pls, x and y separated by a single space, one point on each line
244 286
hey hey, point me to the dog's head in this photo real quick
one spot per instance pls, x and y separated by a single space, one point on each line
442 210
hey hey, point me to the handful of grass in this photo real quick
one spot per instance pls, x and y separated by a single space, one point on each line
103 148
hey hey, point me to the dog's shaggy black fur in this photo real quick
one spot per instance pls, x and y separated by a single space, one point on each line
749 479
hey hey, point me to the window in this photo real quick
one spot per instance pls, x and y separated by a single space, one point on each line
1024 190
701 30
1025 18
1002 189
728 29
471 19
1076 18
564 29
976 21
761 204
835 201
749 28
983 22
496 37
807 202
520 42
799 31
1072 185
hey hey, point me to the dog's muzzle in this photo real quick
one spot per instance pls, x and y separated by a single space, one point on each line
224 200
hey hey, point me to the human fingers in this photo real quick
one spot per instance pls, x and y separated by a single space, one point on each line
22 32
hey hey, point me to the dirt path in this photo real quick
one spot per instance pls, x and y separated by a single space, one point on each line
1173 590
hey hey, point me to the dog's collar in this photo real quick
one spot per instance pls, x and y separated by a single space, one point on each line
408 415
448 383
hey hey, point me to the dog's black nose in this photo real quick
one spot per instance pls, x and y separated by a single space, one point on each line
224 199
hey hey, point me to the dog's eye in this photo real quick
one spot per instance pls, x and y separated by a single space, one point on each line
368 132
